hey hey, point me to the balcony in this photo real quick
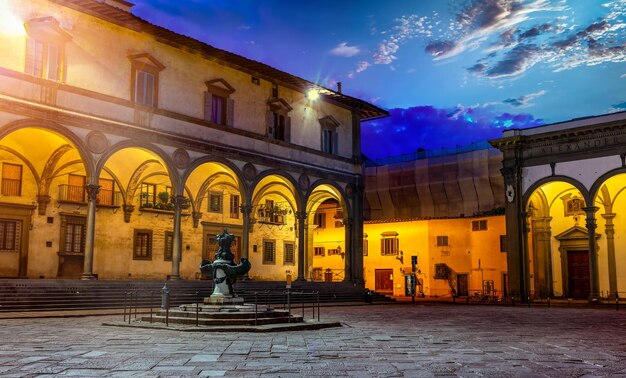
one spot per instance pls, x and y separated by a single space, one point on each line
274 215
74 194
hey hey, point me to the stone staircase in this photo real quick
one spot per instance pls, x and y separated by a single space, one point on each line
58 294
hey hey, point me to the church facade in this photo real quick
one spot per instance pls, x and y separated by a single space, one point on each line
564 187
126 148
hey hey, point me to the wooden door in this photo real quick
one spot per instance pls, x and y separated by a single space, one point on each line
461 285
384 280
578 274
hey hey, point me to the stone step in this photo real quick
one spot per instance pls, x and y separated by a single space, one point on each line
223 322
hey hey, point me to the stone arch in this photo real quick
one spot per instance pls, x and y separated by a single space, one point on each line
342 198
539 183
243 189
58 130
152 148
292 184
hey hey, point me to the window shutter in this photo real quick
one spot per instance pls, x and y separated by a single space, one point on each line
382 246
335 143
30 56
270 124
230 112
287 129
53 62
208 106
396 245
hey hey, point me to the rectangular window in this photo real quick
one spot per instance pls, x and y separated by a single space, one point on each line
502 243
442 241
316 274
333 251
76 188
105 195
215 202
327 141
479 225
289 258
9 235
144 88
11 179
148 194
390 246
318 251
73 234
278 128
269 252
234 206
441 271
142 246
319 219
168 249
218 104
43 59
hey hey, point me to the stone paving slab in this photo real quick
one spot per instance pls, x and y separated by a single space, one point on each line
375 341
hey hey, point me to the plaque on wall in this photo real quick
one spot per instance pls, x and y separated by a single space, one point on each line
181 158
97 142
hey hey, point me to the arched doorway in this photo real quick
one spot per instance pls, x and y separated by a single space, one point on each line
558 247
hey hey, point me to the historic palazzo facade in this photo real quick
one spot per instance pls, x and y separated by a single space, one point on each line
565 219
125 148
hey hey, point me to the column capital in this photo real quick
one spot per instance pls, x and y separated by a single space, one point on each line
245 209
92 191
590 210
348 221
301 215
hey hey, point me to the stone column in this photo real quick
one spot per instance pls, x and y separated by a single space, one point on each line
610 246
301 217
246 210
349 252
357 231
542 255
593 253
92 196
177 242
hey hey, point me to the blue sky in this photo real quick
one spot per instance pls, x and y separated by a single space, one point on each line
450 72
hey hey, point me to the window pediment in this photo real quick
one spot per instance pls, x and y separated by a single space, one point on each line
389 234
329 122
219 87
278 105
146 61
47 29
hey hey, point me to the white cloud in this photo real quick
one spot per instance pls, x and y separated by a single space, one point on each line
344 50
524 101
362 66
623 76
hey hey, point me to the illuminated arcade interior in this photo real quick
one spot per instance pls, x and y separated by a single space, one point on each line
133 233
558 246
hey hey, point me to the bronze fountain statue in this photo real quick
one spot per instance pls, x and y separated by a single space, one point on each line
223 270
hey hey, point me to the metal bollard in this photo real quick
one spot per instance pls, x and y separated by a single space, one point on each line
548 302
255 308
165 297
125 298
528 301
151 298
197 307
616 303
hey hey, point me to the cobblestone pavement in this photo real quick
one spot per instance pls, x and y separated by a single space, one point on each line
376 341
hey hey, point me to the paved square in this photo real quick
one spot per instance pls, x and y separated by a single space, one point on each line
376 341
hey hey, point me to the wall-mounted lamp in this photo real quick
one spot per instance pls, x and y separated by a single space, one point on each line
313 94
341 252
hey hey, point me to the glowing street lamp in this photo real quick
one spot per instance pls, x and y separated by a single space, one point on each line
313 94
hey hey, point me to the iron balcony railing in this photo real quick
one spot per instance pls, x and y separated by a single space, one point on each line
78 194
